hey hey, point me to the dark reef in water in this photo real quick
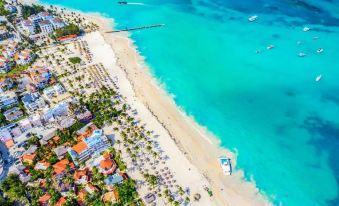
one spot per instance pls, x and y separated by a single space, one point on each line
325 138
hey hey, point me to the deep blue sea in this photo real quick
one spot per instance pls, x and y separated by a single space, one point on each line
265 106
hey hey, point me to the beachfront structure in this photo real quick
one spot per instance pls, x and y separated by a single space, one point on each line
4 64
33 102
10 49
57 23
24 57
107 166
35 19
44 15
28 26
89 146
13 114
60 109
46 26
40 77
53 91
8 99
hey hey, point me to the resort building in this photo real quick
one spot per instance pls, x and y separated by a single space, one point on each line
28 26
25 125
35 19
58 110
24 57
111 180
53 91
45 16
13 114
33 102
4 64
57 23
92 145
8 99
46 26
40 77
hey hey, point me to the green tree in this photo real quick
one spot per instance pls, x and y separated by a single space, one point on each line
14 189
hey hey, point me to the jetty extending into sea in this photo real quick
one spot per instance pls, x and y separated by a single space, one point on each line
137 28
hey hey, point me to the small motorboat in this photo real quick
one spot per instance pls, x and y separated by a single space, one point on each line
226 166
270 46
253 18
320 50
257 51
122 2
318 78
301 54
306 29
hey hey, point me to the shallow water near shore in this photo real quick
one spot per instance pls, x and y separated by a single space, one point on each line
266 106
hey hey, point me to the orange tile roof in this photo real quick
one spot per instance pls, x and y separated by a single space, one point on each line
9 143
81 146
44 198
79 173
28 157
60 166
110 196
106 164
81 194
61 201
56 138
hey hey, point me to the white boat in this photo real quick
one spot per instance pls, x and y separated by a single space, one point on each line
301 54
306 29
253 18
225 164
320 50
318 78
270 46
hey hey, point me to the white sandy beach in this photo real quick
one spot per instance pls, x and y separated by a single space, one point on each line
158 109
192 150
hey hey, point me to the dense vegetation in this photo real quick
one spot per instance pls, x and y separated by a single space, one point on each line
67 30
101 106
30 10
75 60
14 189
3 11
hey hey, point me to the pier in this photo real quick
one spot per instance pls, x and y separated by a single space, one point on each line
137 28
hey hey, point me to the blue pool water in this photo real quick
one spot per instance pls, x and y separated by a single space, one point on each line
265 106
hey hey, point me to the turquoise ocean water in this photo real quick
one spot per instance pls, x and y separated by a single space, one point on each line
265 106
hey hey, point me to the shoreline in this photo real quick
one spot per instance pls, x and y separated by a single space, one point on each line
139 75
188 136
